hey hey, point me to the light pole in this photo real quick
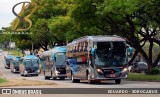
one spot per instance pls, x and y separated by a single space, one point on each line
31 51
32 47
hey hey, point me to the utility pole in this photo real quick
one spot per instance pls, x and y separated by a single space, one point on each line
32 47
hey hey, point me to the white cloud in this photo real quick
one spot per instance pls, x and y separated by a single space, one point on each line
6 15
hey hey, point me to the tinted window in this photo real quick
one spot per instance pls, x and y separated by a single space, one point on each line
60 59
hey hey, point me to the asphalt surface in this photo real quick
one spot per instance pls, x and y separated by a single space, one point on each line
6 73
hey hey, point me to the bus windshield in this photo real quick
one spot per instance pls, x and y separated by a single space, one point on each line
60 59
110 54
16 63
30 63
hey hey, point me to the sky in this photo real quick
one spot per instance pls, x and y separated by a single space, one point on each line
6 15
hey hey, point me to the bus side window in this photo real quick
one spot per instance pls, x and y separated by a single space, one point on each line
81 48
70 49
74 49
78 48
85 47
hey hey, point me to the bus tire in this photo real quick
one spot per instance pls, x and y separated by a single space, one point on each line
118 81
51 74
74 80
25 75
11 71
62 78
89 80
44 72
46 77
22 74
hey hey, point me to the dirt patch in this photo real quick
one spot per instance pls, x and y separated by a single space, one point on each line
24 82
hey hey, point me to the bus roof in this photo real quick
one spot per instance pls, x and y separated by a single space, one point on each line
9 56
47 53
59 49
17 58
99 38
54 50
30 57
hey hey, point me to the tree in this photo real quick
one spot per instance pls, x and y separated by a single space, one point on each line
51 22
41 34
48 27
135 20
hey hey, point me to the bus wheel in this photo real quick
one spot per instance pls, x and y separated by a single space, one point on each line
21 72
62 78
89 79
118 81
46 77
25 75
11 71
74 80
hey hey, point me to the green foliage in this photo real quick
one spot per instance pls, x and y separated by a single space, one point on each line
16 52
51 22
59 20
143 77
125 18
155 50
59 25
155 71
2 80
41 33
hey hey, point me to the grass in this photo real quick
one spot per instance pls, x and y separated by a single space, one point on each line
25 82
143 77
2 80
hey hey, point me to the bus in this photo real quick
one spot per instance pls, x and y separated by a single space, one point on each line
8 60
97 58
54 63
30 65
15 64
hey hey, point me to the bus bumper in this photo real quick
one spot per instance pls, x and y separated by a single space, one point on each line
123 75
60 75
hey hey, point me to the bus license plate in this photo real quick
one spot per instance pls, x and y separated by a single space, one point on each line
112 75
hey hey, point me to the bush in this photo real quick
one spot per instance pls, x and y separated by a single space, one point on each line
155 71
143 77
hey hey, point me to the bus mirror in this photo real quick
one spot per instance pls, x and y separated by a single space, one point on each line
53 56
20 60
41 58
130 51
93 52
67 62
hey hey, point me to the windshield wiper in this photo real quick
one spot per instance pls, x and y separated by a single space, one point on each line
62 64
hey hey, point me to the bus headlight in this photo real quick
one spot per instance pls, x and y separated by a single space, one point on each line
25 72
38 71
99 71
56 72
125 69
